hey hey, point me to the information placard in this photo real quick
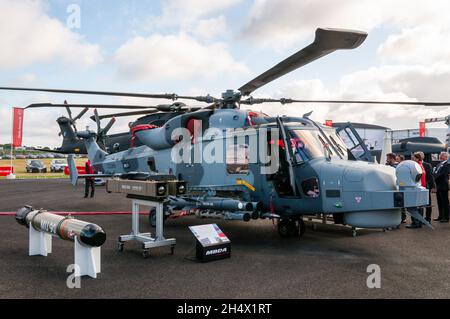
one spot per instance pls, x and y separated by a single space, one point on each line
211 242
209 235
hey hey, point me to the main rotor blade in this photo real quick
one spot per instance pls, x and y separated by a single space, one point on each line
148 111
252 101
106 129
97 120
169 96
98 106
80 115
69 112
325 42
123 114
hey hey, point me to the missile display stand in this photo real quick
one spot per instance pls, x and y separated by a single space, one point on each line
87 258
146 239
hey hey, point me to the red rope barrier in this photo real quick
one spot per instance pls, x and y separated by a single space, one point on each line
78 213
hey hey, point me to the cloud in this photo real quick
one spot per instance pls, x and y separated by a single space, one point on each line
286 22
210 28
28 35
413 57
37 129
388 83
174 57
185 12
23 79
305 89
422 44
414 81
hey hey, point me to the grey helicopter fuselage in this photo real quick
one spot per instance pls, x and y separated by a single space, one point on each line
313 175
72 144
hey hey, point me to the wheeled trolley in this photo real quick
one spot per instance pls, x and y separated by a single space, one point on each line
146 239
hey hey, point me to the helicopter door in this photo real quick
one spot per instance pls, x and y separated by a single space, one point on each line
284 179
355 144
280 179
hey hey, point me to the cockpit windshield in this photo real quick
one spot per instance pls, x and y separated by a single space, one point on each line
310 144
306 145
338 144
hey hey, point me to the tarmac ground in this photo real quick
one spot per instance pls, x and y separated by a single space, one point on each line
325 263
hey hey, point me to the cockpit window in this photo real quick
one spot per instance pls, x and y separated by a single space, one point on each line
351 142
338 144
306 144
310 187
238 159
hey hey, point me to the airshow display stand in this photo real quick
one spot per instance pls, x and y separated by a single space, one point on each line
87 238
211 243
87 259
146 239
152 193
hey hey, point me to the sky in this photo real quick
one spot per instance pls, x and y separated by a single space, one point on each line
201 46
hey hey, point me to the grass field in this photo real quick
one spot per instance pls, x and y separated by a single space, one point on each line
21 173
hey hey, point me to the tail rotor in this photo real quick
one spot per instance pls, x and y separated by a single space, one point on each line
73 120
102 132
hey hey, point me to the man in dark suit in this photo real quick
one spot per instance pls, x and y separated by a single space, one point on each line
430 185
441 178
89 181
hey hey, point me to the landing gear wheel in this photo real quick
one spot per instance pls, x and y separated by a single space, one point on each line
145 253
120 246
301 227
287 228
172 250
354 232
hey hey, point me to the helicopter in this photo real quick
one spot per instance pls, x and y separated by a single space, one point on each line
241 164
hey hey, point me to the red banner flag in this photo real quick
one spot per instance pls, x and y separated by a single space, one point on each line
329 123
17 126
422 129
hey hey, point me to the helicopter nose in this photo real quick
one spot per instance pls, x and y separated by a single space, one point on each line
369 197
369 178
367 193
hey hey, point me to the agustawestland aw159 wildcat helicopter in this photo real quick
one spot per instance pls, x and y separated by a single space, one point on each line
243 165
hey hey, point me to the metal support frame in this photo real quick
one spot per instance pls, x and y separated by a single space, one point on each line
146 238
39 243
87 259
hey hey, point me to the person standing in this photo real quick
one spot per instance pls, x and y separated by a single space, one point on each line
391 160
415 223
441 178
89 181
430 185
399 158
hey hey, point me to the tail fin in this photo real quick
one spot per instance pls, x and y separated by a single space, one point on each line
72 170
71 144
94 151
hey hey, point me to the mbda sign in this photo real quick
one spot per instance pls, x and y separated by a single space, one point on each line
211 243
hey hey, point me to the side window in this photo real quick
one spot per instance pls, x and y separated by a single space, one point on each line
310 187
238 159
